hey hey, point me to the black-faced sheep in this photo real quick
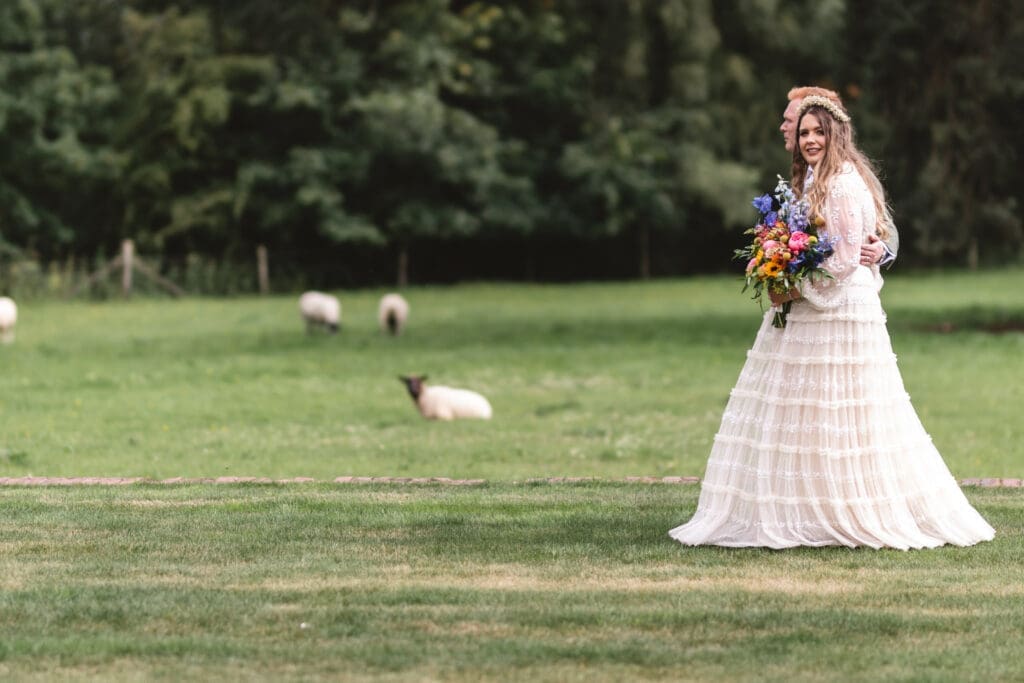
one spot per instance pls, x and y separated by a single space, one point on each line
446 403
320 310
392 313
8 318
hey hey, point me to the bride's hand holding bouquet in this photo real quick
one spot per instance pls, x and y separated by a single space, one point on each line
786 250
779 298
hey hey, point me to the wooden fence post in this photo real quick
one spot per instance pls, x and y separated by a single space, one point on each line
262 269
127 258
128 262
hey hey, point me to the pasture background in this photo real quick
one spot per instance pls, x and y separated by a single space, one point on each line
600 380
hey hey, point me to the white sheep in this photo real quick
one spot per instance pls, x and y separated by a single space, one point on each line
392 313
446 403
8 317
320 310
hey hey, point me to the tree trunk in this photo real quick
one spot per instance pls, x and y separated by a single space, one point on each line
262 269
403 266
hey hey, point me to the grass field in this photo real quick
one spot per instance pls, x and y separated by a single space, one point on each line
499 582
586 380
502 581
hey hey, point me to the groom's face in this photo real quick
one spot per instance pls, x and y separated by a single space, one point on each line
788 126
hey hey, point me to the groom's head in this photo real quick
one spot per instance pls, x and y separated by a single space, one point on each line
796 96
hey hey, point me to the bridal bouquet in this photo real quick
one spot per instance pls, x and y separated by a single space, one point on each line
786 248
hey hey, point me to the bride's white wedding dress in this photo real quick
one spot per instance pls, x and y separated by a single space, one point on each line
819 444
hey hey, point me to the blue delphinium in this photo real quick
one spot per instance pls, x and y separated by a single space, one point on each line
798 216
763 203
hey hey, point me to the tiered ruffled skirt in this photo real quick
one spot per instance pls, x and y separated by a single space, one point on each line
819 445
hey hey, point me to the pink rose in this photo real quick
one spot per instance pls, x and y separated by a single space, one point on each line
798 241
751 265
770 244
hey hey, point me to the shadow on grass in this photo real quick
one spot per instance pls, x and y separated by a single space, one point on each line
966 319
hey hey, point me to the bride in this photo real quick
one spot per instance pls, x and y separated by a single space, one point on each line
819 444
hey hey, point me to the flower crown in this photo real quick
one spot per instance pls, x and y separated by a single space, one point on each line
826 104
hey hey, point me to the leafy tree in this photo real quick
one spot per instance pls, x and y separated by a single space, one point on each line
206 127
55 127
648 159
945 78
435 170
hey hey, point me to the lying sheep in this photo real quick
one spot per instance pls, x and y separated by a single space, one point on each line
392 313
8 317
320 310
446 403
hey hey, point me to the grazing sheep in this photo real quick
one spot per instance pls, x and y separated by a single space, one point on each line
446 403
320 310
392 313
8 316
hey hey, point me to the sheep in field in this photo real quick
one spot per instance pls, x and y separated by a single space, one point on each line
446 403
320 310
8 316
392 313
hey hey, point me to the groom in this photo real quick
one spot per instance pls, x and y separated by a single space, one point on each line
875 250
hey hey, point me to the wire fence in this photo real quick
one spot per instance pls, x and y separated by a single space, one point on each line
281 270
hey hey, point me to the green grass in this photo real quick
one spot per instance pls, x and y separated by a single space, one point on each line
586 380
497 582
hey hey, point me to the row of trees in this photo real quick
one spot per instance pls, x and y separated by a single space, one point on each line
317 126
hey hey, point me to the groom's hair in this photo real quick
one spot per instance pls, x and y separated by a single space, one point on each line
800 92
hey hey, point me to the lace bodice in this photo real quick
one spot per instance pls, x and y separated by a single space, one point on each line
849 214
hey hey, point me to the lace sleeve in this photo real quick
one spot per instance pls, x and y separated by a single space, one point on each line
849 214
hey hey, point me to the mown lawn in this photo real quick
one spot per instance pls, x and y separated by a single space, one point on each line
501 581
586 380
497 582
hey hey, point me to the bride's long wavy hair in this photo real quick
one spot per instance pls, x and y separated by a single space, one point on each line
839 148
